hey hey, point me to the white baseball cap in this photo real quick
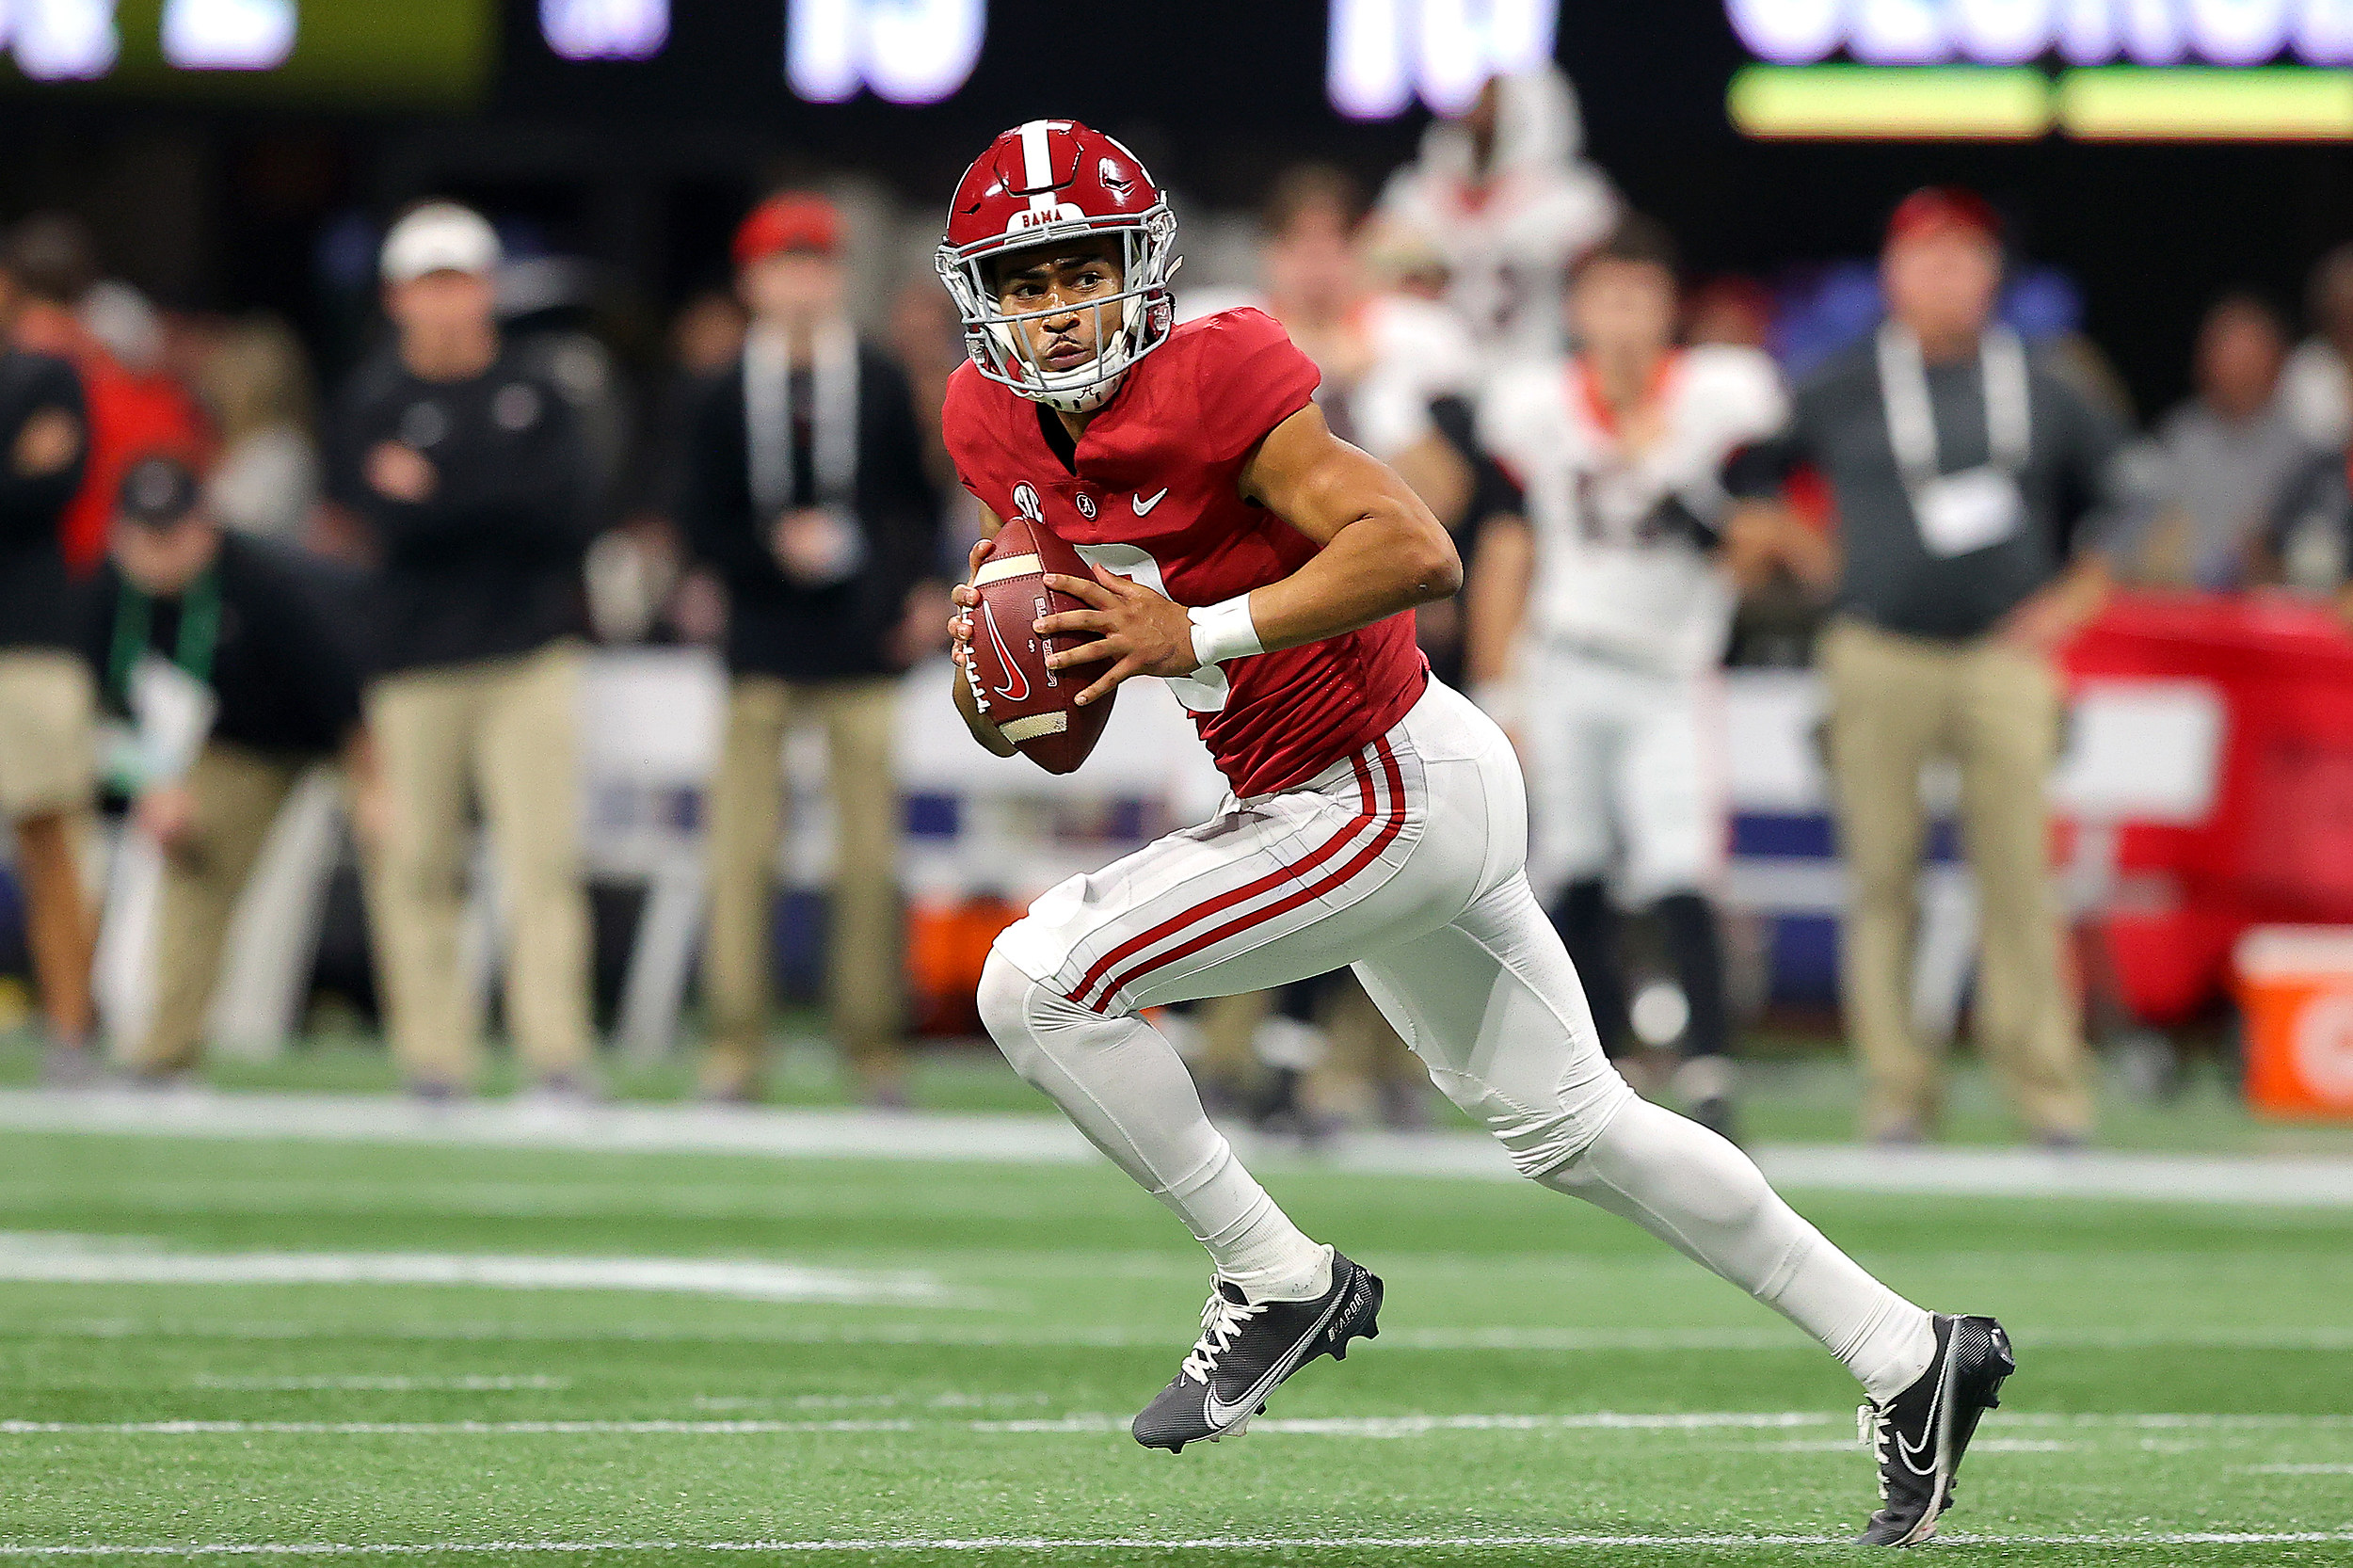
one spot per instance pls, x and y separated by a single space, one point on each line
439 236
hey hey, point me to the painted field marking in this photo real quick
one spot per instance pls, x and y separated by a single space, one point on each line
1562 1340
1033 1140
1407 1425
61 1259
1193 1543
361 1383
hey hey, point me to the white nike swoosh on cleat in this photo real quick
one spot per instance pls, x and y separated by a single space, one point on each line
1929 1444
1218 1414
1143 504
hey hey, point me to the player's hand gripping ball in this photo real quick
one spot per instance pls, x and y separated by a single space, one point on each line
1004 658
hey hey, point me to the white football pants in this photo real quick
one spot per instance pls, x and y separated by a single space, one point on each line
1627 776
1407 862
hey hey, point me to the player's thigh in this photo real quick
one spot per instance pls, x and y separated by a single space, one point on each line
1669 792
1081 931
1492 1005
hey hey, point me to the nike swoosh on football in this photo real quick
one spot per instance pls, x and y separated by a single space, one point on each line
1143 504
1220 1412
1004 659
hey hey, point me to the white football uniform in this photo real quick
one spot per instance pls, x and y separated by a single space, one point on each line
1627 615
1415 351
1509 240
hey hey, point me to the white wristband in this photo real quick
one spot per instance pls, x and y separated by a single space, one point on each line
1224 630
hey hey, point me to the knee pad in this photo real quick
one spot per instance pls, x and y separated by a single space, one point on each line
1004 1008
1544 1135
1019 1013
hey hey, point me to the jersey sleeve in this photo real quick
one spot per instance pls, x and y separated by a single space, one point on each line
960 428
1248 377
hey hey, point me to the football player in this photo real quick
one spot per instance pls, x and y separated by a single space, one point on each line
1601 614
1264 568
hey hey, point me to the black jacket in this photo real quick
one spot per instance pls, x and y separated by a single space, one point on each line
283 660
37 599
487 565
775 626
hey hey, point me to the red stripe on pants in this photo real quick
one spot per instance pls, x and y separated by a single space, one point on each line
1391 827
1275 878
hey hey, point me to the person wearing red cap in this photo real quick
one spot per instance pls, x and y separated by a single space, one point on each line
1974 487
805 491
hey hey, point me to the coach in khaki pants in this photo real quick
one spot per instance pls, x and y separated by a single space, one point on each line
466 469
805 491
268 630
47 773
1972 484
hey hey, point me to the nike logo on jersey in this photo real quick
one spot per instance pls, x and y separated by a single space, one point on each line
1018 685
1145 503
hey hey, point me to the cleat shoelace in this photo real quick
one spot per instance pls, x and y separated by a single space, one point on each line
1220 1322
1871 1430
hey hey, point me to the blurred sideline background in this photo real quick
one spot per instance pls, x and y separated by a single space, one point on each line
236 165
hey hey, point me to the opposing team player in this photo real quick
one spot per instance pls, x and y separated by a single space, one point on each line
1600 617
1264 567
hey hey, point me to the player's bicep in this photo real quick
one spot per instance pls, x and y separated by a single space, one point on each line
1315 481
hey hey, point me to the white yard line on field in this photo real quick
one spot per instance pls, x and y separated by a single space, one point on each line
50 1257
1137 1543
1408 1425
2251 1337
371 1382
1028 1140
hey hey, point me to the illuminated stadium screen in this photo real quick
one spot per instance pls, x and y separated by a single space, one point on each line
2017 69
338 52
1799 69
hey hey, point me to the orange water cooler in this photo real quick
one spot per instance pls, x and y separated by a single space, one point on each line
2296 993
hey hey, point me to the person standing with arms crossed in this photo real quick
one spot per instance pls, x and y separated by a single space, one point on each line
1972 484
47 767
468 473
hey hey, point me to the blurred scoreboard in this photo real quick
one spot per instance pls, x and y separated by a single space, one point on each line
1802 70
361 53
2019 70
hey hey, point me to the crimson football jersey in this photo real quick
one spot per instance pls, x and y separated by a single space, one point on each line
1154 498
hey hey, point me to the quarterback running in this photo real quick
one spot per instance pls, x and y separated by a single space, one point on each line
1267 569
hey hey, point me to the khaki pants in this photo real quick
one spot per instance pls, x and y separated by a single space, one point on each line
865 947
502 732
48 707
236 795
1896 701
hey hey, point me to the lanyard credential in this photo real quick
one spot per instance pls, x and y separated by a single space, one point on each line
833 419
200 632
1911 421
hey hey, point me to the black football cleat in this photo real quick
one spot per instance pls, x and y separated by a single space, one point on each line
1245 1349
1920 1435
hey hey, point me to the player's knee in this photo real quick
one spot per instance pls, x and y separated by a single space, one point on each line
1025 1017
1004 1001
1541 1132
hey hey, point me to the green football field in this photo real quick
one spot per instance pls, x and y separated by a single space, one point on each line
370 1351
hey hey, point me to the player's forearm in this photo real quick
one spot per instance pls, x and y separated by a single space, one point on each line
1387 561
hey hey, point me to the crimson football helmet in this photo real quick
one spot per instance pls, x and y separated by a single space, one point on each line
1042 182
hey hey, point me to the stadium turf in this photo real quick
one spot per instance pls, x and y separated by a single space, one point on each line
510 1354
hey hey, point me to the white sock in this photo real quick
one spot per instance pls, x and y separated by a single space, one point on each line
1124 1086
1707 1200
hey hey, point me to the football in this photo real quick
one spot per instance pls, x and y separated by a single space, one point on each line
1031 705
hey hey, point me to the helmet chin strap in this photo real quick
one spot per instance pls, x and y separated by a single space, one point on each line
1084 401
